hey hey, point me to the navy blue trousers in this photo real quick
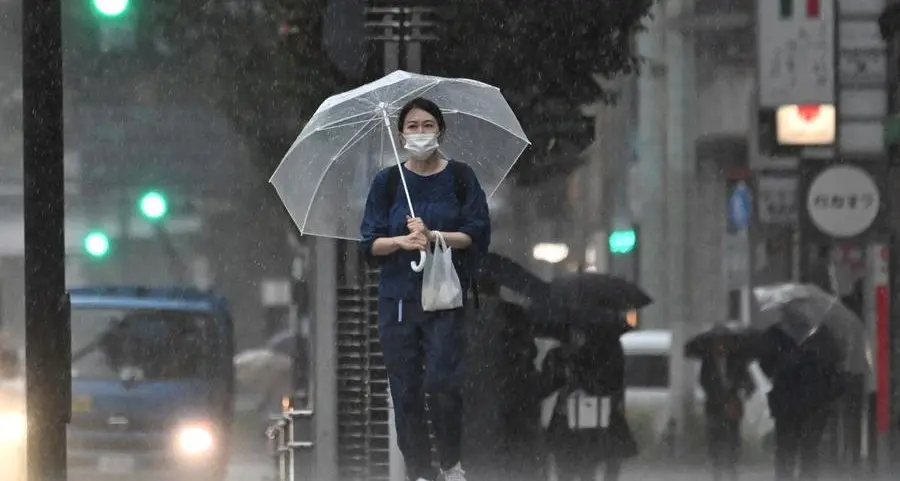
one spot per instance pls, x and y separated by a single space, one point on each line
423 352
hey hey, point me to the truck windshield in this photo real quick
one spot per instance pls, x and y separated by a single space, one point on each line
141 345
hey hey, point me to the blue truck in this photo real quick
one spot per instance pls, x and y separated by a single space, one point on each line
152 384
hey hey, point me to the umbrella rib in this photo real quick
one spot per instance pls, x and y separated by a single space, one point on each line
333 125
322 129
356 137
352 141
345 121
482 118
418 91
505 174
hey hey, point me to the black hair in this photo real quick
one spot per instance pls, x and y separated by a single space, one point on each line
421 104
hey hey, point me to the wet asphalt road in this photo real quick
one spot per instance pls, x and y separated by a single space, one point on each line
260 470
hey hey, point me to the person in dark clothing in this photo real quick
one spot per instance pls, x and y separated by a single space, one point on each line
520 418
423 351
805 382
585 380
855 395
726 381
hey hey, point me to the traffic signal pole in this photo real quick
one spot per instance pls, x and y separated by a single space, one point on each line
47 338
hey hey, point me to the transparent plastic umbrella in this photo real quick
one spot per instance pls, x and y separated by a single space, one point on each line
801 309
324 178
260 369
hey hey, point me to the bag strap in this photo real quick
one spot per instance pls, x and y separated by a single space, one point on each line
440 242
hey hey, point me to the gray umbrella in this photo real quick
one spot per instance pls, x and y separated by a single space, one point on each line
800 310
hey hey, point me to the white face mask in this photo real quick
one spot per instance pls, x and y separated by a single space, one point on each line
420 146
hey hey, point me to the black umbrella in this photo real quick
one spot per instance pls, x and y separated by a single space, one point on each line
505 272
734 339
595 290
552 318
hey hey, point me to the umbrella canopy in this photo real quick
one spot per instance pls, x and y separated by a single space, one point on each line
581 296
800 310
505 272
262 369
731 338
324 178
595 290
602 323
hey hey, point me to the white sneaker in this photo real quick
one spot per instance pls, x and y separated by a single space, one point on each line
455 473
421 479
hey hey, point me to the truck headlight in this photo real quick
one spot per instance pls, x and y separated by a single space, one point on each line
13 427
195 439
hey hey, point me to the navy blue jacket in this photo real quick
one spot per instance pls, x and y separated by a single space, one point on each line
435 201
805 378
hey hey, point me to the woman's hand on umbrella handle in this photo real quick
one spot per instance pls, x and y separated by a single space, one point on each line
421 265
414 241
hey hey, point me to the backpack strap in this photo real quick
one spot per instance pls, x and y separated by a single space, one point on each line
461 176
393 180
460 180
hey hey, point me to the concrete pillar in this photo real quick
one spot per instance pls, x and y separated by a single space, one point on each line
679 193
324 386
648 198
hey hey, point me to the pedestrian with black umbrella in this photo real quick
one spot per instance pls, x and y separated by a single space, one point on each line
724 353
584 409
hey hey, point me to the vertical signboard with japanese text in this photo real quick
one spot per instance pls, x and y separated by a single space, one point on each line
796 52
796 69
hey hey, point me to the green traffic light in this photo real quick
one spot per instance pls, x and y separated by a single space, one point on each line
96 244
153 205
622 241
110 8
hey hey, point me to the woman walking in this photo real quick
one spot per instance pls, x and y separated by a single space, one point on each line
423 351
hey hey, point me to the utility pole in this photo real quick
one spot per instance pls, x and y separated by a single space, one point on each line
47 333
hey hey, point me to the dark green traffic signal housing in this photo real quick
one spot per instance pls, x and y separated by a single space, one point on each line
622 241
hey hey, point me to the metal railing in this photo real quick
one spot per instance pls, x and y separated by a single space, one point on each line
291 445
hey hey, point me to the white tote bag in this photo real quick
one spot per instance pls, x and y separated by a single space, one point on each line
588 412
441 289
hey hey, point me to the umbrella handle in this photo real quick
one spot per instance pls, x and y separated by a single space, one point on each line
421 265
